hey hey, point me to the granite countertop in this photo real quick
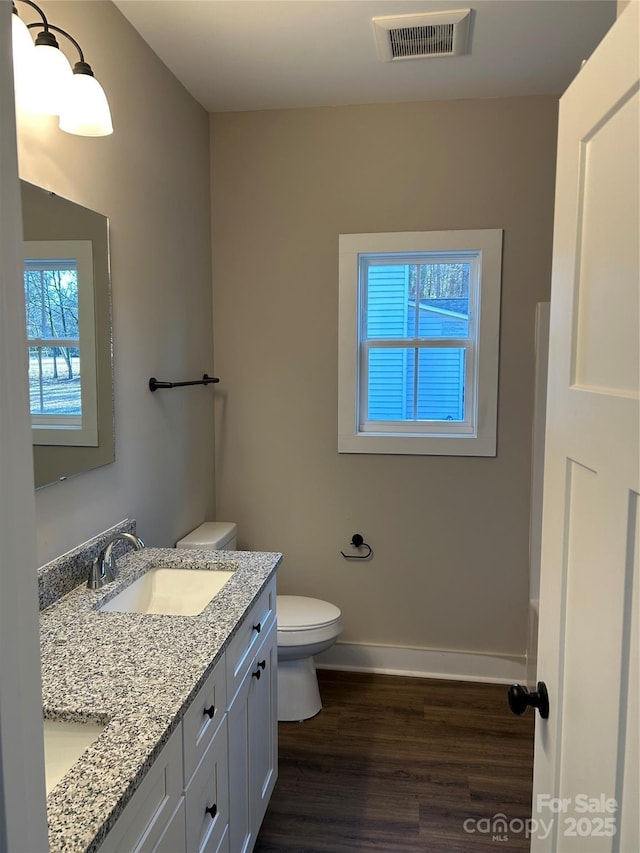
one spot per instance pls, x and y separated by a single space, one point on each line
135 672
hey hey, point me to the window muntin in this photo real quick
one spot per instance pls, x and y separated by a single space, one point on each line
58 283
439 319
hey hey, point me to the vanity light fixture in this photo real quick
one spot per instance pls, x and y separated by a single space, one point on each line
45 83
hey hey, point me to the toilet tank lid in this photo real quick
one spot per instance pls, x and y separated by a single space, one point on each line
210 535
297 611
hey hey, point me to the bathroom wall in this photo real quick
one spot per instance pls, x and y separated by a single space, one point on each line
151 178
450 535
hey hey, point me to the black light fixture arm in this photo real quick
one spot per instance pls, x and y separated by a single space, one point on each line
62 32
46 36
45 23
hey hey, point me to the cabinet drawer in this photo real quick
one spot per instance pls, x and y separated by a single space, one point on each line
248 637
142 824
207 797
203 717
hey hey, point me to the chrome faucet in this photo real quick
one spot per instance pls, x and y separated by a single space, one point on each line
104 569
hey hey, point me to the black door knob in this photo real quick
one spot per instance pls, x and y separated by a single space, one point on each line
520 699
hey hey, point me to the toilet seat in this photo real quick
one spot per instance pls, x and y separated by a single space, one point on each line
299 613
306 622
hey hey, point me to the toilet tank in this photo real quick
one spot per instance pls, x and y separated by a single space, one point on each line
211 536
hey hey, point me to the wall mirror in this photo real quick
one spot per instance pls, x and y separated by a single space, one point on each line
68 309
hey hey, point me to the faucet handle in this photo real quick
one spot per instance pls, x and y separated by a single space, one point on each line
96 574
109 568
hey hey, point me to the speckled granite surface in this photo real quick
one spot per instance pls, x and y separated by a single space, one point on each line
138 673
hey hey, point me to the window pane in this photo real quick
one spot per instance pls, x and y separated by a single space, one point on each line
51 296
443 299
442 309
392 386
441 374
54 381
33 302
387 295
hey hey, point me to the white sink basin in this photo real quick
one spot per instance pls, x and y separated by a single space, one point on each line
172 592
64 743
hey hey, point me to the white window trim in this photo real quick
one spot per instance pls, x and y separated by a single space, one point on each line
482 440
71 430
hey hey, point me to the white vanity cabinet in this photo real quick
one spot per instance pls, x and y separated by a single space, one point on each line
252 718
208 790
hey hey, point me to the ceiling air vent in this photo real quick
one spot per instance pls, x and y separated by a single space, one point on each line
422 35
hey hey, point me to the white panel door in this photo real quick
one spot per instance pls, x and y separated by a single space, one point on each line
586 752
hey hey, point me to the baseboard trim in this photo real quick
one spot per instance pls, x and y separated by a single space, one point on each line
424 663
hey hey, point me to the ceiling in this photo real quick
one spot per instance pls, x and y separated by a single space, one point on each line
283 54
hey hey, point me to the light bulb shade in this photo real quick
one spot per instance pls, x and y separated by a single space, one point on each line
21 41
86 111
22 47
50 80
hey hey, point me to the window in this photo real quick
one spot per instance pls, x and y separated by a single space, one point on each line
58 287
419 335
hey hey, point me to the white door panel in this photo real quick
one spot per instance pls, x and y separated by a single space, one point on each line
586 756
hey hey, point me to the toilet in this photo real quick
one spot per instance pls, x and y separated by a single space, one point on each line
306 627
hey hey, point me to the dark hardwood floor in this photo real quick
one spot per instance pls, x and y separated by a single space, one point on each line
401 764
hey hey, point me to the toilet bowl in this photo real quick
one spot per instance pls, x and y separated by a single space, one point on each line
306 627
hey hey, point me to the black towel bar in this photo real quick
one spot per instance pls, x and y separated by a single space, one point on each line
155 384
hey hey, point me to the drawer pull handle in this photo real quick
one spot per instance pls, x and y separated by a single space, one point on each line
257 628
261 665
212 810
210 711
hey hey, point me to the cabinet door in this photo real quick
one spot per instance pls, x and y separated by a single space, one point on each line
172 838
263 730
238 720
253 745
223 847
